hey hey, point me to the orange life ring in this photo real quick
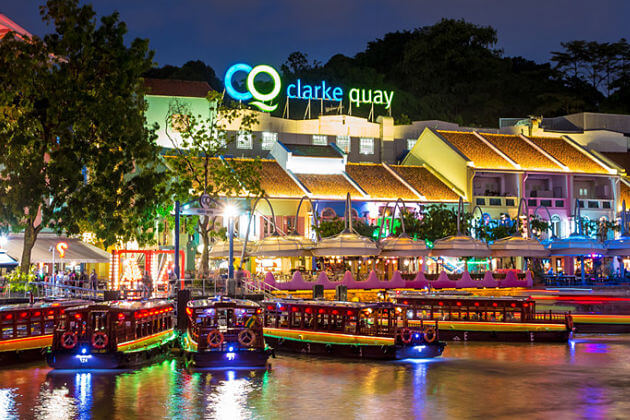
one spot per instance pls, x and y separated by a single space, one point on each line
99 340
406 335
215 338
430 334
69 340
247 337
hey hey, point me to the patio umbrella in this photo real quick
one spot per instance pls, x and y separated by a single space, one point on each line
7 261
221 249
517 246
402 246
460 246
278 246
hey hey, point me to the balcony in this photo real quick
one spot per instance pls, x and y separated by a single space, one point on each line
533 202
496 201
595 204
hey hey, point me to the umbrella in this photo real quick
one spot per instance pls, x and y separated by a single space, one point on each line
278 246
221 249
517 246
402 246
460 246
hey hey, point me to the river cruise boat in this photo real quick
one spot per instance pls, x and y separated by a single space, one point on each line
348 329
26 329
486 318
113 335
224 333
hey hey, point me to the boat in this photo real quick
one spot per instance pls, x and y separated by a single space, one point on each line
224 333
26 329
348 329
486 318
113 335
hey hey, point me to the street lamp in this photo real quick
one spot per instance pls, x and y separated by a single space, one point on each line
229 212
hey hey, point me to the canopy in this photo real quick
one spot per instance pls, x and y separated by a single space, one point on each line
517 246
460 246
77 251
278 246
575 245
345 244
402 246
221 249
618 247
6 261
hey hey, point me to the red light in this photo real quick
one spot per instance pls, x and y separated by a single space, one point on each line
406 302
55 304
121 316
335 312
476 303
459 304
524 305
258 310
189 311
308 310
321 311
51 312
77 316
37 313
137 314
494 304
349 313
441 303
513 305
294 309
23 314
270 308
282 308
63 311
9 316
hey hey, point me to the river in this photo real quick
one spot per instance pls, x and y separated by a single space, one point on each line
586 378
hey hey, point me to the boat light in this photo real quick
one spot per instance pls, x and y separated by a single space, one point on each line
230 349
83 350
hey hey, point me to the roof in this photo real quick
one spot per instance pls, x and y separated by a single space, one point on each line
77 251
378 182
223 302
172 87
276 182
568 155
44 305
427 184
7 25
482 155
521 152
313 151
620 158
328 186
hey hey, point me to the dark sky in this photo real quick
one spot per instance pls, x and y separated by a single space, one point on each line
221 32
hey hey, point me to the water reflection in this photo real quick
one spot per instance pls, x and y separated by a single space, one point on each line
588 377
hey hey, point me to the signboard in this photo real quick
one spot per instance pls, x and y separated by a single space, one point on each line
297 90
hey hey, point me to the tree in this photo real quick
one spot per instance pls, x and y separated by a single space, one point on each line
195 70
197 140
334 226
438 221
77 153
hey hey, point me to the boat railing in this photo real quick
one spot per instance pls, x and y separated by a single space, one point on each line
46 289
257 285
558 317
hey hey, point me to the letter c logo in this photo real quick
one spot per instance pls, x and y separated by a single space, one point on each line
252 91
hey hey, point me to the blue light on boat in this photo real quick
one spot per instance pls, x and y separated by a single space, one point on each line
419 348
230 356
83 350
416 335
230 349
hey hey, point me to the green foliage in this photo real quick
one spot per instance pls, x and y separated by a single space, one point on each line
538 226
438 221
334 226
76 148
19 281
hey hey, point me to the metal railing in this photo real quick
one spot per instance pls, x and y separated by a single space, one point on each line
46 289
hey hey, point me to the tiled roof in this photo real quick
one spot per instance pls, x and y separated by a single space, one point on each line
171 87
426 183
568 155
624 194
329 186
476 150
378 182
7 25
276 182
521 152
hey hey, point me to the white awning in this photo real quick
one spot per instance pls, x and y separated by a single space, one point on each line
77 251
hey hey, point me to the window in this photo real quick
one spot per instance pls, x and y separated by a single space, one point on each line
320 140
268 139
411 143
366 146
244 141
556 226
583 192
343 142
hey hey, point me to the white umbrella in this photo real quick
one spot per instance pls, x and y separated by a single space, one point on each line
345 244
517 246
460 246
221 248
278 246
402 246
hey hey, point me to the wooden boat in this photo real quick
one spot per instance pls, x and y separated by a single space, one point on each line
224 333
113 335
26 329
348 329
486 318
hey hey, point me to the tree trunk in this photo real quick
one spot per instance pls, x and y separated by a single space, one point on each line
30 236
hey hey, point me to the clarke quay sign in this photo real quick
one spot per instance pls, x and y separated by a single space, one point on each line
297 90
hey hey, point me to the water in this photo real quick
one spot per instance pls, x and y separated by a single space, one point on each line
587 378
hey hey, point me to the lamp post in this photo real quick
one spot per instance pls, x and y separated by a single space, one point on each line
229 212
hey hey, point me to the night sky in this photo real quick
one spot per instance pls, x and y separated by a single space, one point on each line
257 31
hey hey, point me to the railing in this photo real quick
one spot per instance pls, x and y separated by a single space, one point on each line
496 201
550 202
550 317
46 289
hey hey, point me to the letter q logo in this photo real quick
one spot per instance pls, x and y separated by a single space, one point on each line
252 92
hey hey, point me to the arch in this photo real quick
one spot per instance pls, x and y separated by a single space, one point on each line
402 221
249 224
313 209
328 213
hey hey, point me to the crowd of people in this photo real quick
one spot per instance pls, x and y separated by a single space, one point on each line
72 278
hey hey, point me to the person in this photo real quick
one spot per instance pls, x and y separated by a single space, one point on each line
83 278
172 282
93 280
147 285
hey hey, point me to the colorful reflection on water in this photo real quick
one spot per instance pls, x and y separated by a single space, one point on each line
587 378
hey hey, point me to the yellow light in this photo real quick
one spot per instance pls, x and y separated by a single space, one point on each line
230 210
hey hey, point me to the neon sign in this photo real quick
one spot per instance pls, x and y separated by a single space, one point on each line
297 90
61 248
252 92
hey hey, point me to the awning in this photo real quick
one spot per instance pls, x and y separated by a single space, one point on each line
6 261
77 250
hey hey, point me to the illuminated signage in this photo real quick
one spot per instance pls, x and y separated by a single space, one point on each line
61 248
297 90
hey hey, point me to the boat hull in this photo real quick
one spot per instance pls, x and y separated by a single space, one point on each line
256 359
355 351
502 331
109 360
601 324
24 350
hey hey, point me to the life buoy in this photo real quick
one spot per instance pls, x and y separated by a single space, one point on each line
99 340
430 334
406 335
247 337
215 338
570 322
69 340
